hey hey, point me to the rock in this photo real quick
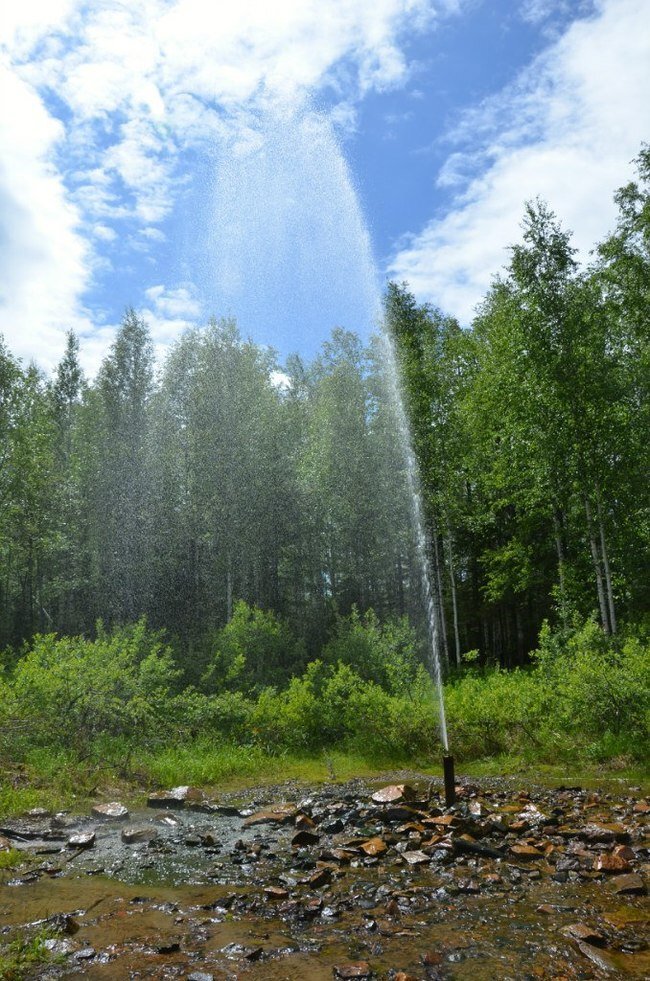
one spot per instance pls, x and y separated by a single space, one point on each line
641 807
278 814
135 834
275 893
526 853
62 820
580 931
83 839
322 877
416 858
611 862
304 823
169 946
110 812
85 954
38 812
629 885
60 948
360 969
393 794
374 846
5 844
303 838
200 976
191 798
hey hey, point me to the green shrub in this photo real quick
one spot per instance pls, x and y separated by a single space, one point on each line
384 653
71 689
254 649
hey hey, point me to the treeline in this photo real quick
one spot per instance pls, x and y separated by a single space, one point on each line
231 477
532 431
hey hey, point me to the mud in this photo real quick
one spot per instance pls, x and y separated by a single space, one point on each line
323 882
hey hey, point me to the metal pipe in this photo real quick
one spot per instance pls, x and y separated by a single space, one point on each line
450 780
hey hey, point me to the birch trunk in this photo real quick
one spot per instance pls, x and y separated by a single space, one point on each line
608 575
559 548
593 544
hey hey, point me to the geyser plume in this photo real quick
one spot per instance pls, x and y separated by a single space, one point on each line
289 243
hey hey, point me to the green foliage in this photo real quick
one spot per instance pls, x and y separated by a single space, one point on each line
254 649
384 653
587 695
22 955
71 689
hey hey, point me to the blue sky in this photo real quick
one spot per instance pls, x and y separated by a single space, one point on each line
277 162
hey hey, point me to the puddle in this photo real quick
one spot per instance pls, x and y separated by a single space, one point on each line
482 891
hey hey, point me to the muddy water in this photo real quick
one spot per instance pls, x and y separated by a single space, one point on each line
212 896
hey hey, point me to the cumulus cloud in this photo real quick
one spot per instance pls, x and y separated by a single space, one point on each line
566 130
101 98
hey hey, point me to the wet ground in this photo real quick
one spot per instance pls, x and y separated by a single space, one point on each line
370 879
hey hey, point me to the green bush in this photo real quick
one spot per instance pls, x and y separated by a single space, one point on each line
384 653
70 689
253 650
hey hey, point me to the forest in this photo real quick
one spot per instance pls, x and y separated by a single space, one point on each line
225 540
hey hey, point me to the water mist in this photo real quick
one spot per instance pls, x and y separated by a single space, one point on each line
289 241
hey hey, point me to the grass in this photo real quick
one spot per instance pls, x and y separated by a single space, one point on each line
21 955
59 781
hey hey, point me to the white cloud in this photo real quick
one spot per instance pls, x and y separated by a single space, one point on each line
177 302
133 85
567 131
43 258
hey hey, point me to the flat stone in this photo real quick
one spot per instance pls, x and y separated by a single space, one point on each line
526 853
135 834
610 862
360 969
110 812
180 797
393 794
276 893
629 885
584 933
319 878
278 814
416 858
83 839
374 846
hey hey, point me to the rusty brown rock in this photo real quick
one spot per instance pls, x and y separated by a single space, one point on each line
394 793
278 814
641 807
374 846
321 877
611 863
304 822
629 885
584 933
526 853
360 969
5 844
275 893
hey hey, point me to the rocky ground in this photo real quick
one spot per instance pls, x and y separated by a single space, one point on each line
364 880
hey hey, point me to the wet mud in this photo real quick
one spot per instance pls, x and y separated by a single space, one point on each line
364 880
